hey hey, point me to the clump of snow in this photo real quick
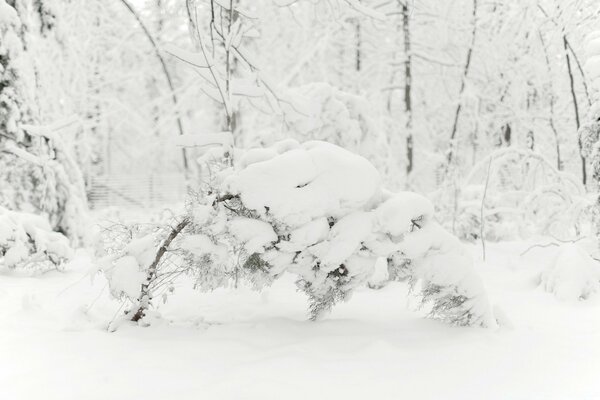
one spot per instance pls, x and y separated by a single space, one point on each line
126 270
302 184
8 15
27 239
125 277
253 233
203 245
573 275
380 274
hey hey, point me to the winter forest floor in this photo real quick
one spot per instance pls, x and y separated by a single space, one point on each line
238 344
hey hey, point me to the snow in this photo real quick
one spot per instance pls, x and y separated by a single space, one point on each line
302 184
345 239
573 276
592 53
142 249
25 235
224 139
380 274
125 271
8 15
254 234
125 277
233 344
395 215
16 254
202 244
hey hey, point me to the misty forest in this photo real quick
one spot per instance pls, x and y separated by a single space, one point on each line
299 199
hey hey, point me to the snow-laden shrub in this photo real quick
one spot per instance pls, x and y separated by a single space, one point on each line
26 240
574 275
319 212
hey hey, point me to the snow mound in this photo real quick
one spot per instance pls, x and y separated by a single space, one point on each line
253 233
573 276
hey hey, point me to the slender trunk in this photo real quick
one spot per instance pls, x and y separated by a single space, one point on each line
462 86
230 68
575 106
358 45
552 102
407 87
581 72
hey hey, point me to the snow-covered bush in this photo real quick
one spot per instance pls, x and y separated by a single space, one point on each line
574 275
27 240
319 212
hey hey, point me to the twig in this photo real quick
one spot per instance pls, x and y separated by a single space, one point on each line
482 220
538 245
551 244
462 86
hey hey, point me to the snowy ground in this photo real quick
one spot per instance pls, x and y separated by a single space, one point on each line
245 345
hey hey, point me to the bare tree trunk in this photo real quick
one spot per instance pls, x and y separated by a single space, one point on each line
462 86
230 67
575 107
552 102
407 87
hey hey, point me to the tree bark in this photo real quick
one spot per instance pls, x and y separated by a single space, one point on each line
575 107
407 87
145 295
462 86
